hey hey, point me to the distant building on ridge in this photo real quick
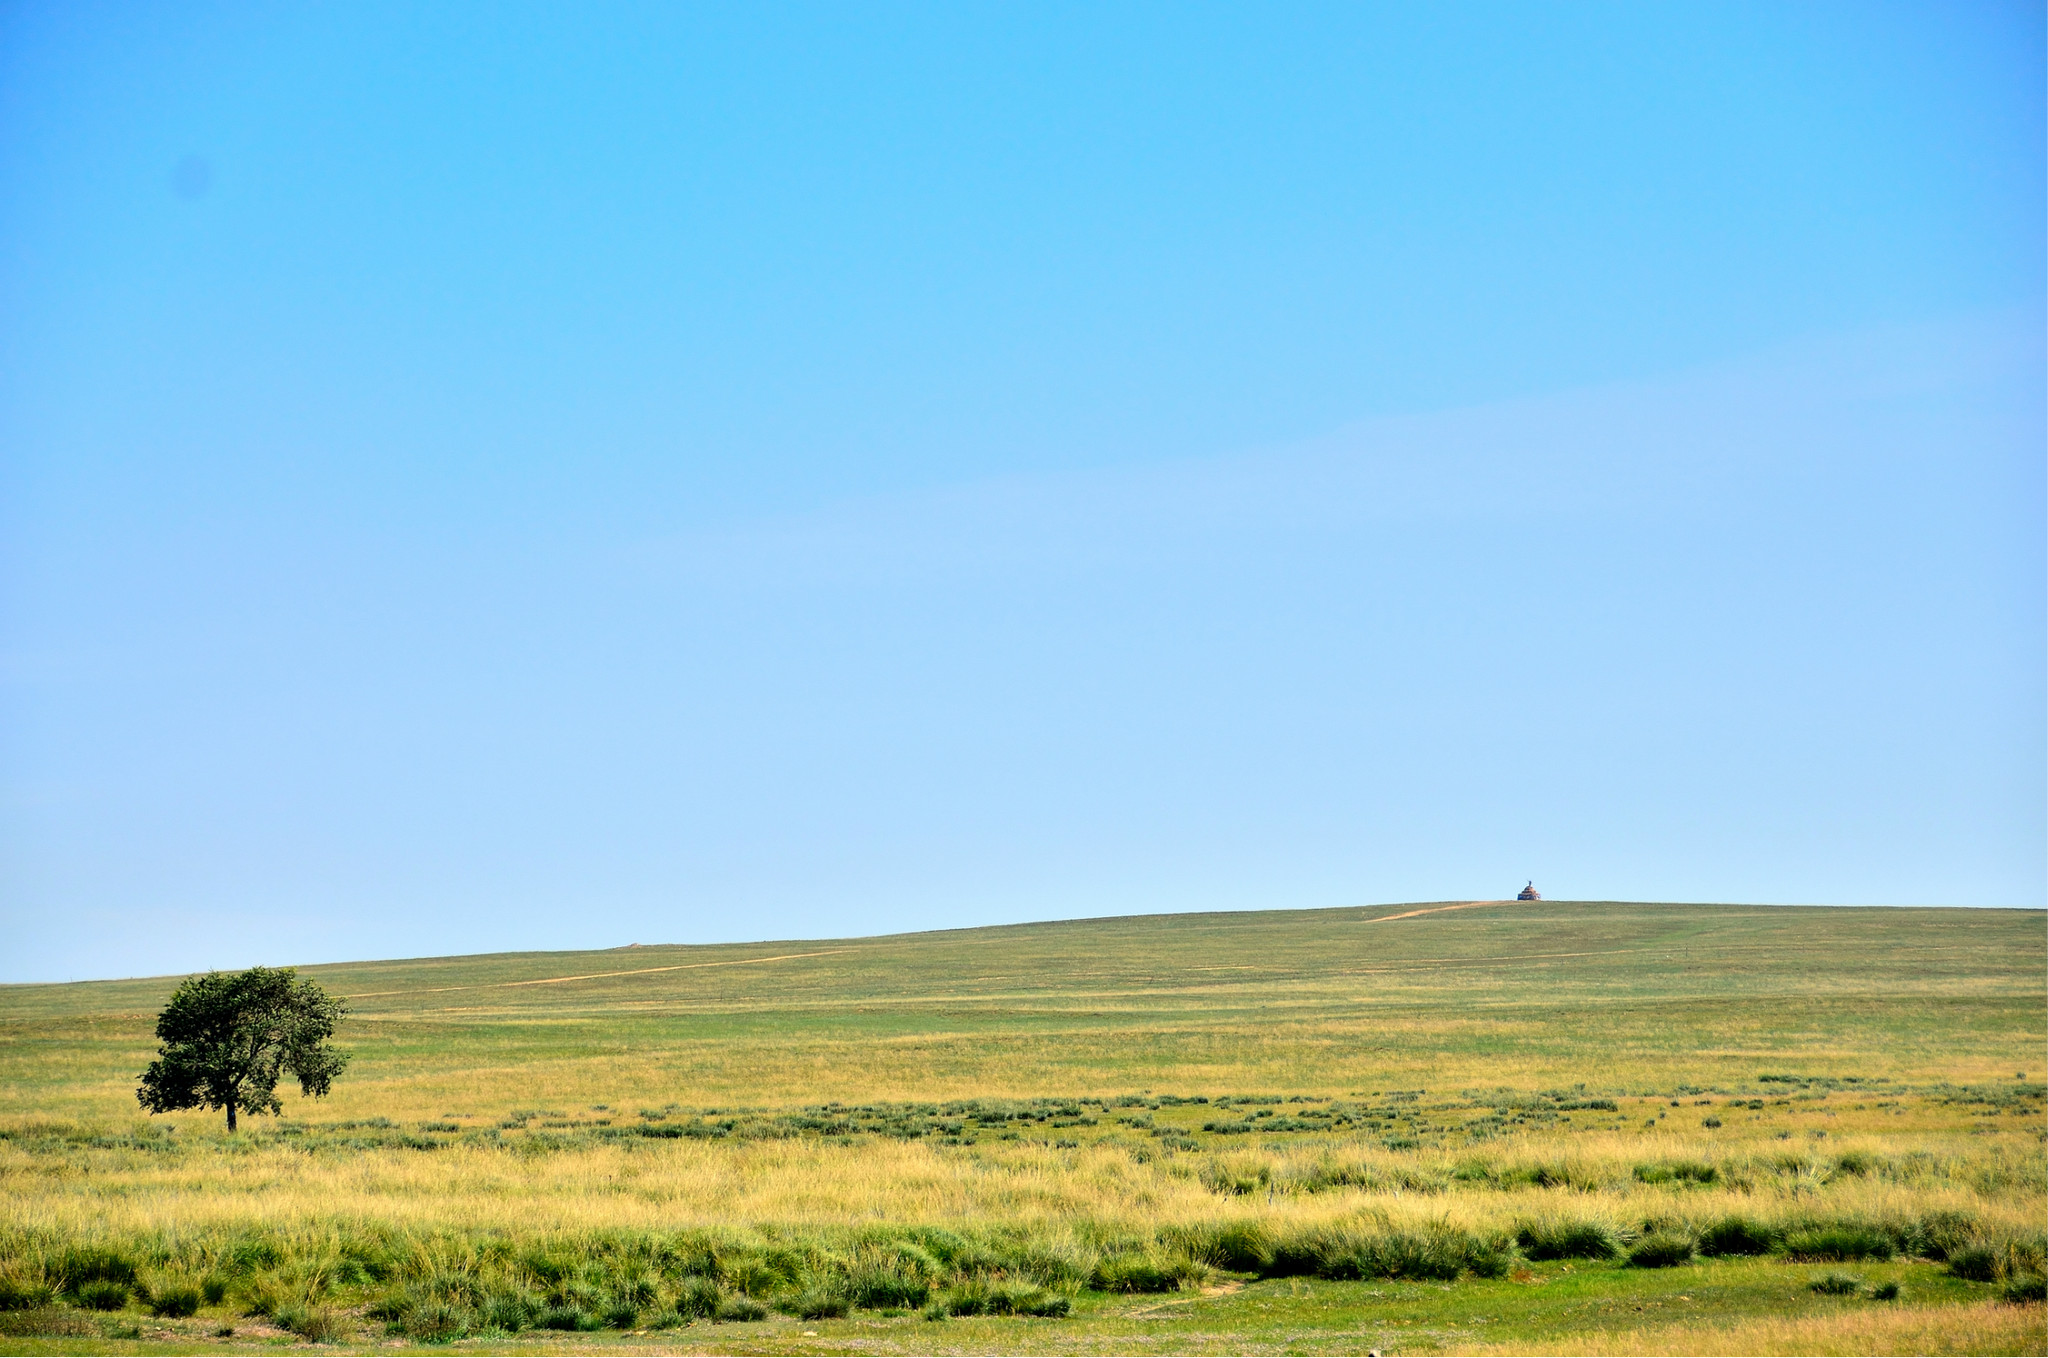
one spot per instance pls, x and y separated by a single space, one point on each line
1528 893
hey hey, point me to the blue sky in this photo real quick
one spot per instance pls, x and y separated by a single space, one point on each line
540 477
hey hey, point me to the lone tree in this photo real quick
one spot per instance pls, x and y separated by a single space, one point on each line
227 1036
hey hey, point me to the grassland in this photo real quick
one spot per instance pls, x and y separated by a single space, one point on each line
1457 1127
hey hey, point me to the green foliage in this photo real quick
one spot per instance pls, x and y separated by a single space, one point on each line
227 1037
1240 1246
76 1265
877 1279
52 1322
24 1294
741 1308
567 1318
1885 1291
1566 1238
510 1311
1737 1235
1236 1176
319 1325
174 1300
1836 1285
1977 1263
820 1304
699 1297
1840 1242
2026 1287
1142 1273
1437 1253
986 1297
1999 1260
1660 1250
1678 1171
102 1295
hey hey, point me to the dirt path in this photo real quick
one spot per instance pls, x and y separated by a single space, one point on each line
596 975
1219 1290
1432 910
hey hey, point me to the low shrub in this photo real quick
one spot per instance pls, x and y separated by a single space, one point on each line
567 1318
699 1297
1975 1263
78 1264
981 1297
1241 1246
1886 1291
1836 1285
820 1304
621 1315
1987 1262
50 1322
174 1300
1942 1233
1490 1258
24 1294
1737 1235
638 1292
1678 1171
2025 1288
1141 1273
1566 1238
509 1311
741 1308
667 1320
214 1290
1227 1177
264 1298
1660 1250
318 1325
1840 1242
1437 1256
876 1280
1438 1253
103 1295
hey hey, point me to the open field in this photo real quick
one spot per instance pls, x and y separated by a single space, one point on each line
1438 1128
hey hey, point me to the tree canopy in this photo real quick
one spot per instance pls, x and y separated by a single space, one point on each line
228 1036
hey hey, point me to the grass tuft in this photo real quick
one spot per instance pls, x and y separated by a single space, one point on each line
1566 1238
1840 1242
1737 1235
1660 1250
174 1300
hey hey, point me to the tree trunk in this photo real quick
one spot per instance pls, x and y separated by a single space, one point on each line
231 1115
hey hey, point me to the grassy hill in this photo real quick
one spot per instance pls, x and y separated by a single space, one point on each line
1315 1001
1083 1111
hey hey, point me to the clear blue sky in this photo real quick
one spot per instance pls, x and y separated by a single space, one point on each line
490 477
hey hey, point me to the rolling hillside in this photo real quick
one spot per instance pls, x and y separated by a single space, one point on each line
1443 996
1580 1126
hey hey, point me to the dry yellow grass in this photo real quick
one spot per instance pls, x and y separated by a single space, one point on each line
667 1184
1493 1065
1985 1328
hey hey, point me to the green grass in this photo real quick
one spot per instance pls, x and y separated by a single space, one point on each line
1410 1128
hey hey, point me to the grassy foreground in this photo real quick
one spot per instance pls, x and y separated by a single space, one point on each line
1569 1127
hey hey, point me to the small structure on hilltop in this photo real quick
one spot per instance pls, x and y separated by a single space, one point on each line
1528 893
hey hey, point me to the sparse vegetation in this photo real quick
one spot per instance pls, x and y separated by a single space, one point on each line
1021 1159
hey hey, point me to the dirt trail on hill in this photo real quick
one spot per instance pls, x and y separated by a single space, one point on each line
1434 909
595 975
